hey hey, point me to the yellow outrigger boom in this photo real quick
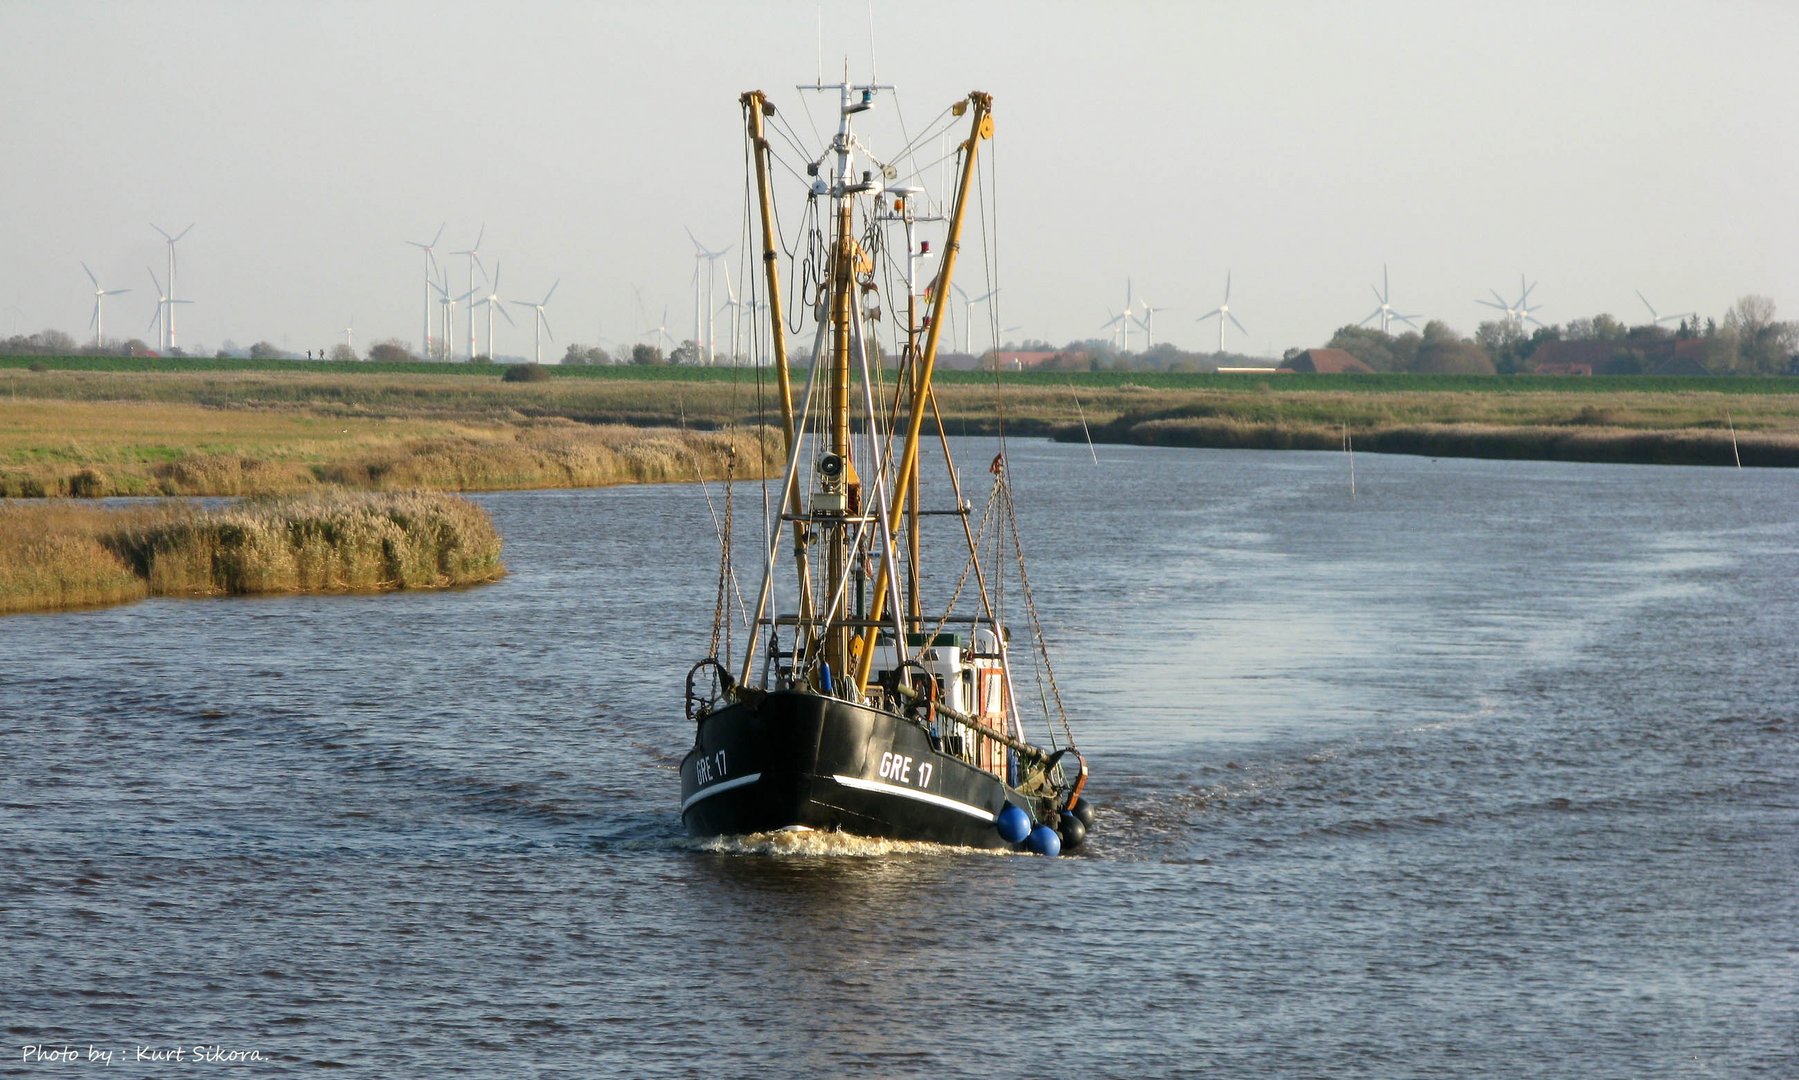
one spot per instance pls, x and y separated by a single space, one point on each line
981 128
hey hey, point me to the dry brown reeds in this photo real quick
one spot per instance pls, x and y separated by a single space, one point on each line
52 556
97 449
56 555
560 454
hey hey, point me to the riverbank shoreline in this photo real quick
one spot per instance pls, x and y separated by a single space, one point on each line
89 429
1594 445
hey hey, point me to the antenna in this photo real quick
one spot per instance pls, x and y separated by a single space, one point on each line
820 80
871 43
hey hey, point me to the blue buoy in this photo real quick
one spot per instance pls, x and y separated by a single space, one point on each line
1044 841
1013 824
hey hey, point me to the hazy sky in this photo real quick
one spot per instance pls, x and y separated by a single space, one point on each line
1596 148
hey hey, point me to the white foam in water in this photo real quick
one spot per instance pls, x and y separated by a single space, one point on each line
812 843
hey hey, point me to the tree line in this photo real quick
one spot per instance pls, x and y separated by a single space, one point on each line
1750 340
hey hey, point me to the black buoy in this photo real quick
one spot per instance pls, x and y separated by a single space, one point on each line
1073 831
1084 811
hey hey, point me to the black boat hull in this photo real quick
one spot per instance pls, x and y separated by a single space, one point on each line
800 760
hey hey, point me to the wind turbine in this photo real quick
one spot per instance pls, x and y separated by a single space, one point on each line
168 346
100 294
1384 294
493 303
1223 311
968 305
1657 320
474 260
1518 312
350 337
542 322
660 330
700 251
736 307
163 302
449 302
1114 324
430 283
1123 320
1148 323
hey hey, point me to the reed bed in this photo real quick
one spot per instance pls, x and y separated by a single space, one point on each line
57 555
53 556
563 455
90 449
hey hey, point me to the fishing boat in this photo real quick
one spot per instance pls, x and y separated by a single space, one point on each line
877 691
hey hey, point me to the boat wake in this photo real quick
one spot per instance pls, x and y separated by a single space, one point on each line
819 843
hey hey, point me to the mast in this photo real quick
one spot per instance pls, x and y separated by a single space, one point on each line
981 127
756 106
905 211
847 258
851 613
843 256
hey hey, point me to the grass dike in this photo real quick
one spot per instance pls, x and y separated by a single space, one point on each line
82 449
58 555
1587 436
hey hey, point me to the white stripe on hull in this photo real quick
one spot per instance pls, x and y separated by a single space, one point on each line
913 793
721 786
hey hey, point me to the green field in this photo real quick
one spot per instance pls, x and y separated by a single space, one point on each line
1154 380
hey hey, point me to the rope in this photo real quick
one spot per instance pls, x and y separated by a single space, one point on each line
721 607
1030 604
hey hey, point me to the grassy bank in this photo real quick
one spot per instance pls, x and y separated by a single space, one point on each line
113 426
1532 443
57 555
88 447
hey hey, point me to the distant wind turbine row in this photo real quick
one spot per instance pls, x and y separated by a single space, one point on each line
700 251
1516 313
1138 311
164 319
492 301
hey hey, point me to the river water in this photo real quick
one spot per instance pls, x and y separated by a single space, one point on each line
1492 770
